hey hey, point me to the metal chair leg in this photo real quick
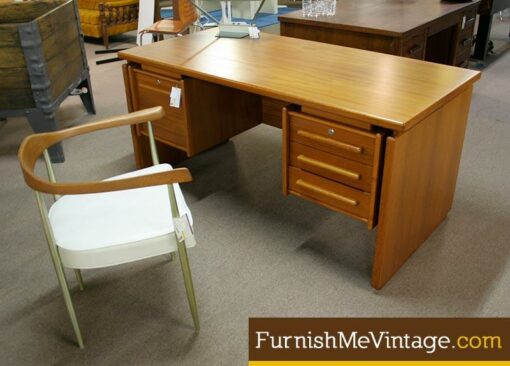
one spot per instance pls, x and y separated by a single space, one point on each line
58 267
188 283
69 304
79 278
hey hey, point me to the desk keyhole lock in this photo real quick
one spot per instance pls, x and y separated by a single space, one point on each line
158 82
331 132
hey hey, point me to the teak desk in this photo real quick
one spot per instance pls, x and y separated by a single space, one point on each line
375 136
431 30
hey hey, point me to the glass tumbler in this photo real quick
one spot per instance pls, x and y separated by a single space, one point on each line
307 8
330 7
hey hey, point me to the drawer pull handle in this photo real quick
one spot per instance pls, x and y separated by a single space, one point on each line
328 141
325 192
469 21
158 82
465 42
415 49
326 166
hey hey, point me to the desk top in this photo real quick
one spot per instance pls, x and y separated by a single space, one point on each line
386 17
383 90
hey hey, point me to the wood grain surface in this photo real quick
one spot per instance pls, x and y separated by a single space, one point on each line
419 182
383 17
383 90
33 146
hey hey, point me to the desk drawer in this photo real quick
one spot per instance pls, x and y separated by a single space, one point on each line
414 46
334 167
154 90
462 60
332 137
465 42
331 164
329 193
469 19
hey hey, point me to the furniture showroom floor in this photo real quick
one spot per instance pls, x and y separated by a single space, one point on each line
258 253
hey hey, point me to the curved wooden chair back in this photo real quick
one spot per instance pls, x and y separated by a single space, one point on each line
184 15
184 11
36 145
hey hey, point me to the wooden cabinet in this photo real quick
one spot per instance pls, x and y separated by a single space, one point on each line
185 131
464 40
331 164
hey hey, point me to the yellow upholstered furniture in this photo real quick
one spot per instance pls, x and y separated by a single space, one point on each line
100 18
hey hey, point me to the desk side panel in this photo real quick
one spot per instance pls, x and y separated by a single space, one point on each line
419 179
137 141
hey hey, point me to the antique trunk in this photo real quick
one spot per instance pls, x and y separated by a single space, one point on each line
42 61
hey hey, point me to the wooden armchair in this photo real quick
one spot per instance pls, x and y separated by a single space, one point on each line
100 18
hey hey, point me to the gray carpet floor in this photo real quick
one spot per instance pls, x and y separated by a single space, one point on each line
258 253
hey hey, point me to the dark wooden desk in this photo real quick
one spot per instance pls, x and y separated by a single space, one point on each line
430 30
374 136
487 10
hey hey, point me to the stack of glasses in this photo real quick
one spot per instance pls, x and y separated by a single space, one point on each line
315 8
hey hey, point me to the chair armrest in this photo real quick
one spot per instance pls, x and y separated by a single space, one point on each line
33 147
181 175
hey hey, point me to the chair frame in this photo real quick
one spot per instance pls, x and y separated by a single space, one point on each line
36 145
178 15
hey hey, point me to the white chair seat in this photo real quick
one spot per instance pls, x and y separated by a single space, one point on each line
104 229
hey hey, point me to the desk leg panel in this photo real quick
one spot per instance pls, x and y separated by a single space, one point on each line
483 35
419 179
138 148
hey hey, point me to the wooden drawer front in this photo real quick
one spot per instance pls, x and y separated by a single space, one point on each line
329 193
331 137
331 166
153 90
414 47
465 42
468 23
